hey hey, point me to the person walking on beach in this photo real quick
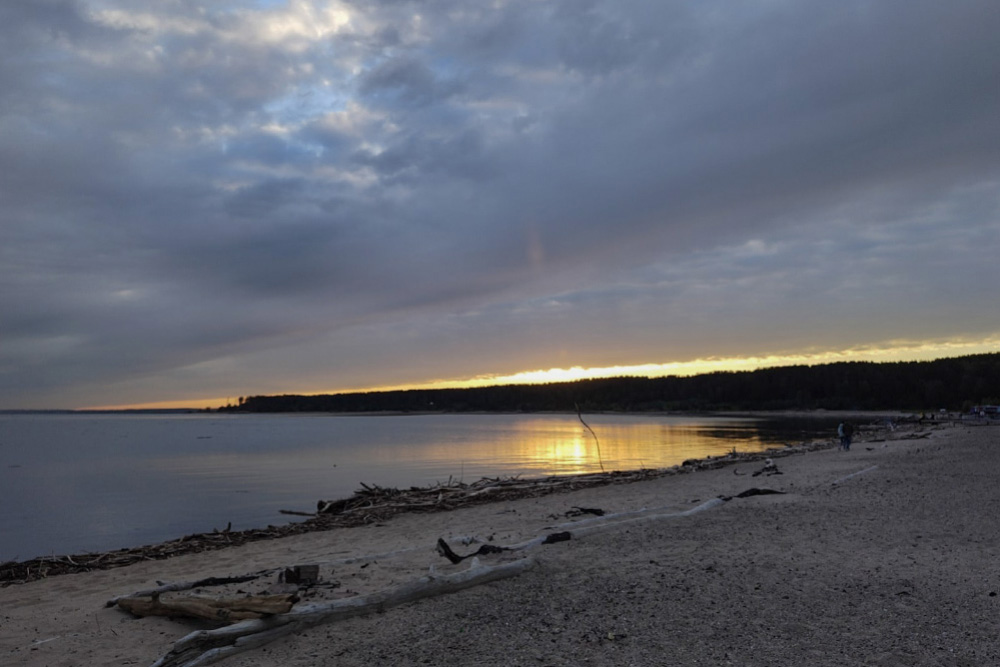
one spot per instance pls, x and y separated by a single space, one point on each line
845 431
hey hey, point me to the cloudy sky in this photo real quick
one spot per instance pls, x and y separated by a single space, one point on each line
206 199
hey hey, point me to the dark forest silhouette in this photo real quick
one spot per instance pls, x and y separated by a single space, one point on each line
954 384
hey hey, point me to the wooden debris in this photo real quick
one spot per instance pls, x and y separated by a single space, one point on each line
552 538
188 585
205 647
758 492
769 469
578 511
753 492
300 574
227 610
446 551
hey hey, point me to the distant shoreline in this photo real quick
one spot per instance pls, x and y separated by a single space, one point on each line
819 412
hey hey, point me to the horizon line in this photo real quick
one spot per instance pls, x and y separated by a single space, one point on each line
901 352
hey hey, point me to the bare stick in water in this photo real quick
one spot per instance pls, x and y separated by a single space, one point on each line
600 460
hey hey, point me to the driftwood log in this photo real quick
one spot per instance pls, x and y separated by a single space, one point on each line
188 585
222 610
205 647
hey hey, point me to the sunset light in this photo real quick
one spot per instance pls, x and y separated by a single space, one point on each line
303 197
899 351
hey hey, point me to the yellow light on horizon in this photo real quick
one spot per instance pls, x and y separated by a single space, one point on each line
894 352
179 404
900 352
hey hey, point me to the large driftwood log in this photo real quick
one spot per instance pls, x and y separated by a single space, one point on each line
188 585
223 610
205 647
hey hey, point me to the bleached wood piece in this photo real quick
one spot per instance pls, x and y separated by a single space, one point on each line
188 585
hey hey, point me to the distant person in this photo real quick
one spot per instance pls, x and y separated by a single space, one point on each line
845 431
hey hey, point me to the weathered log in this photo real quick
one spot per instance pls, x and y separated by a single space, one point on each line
188 585
223 610
205 647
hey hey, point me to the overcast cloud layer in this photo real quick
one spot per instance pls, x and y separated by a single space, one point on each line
203 199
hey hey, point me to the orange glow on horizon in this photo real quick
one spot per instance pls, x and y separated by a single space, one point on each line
181 404
900 352
896 351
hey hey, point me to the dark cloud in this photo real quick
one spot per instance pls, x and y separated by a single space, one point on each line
407 80
198 198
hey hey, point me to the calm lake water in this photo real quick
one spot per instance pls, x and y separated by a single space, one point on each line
76 483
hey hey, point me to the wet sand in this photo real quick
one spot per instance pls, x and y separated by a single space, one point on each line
883 555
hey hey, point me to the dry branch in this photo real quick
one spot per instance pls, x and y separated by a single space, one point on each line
188 585
600 459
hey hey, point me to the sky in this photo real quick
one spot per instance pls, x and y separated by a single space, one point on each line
223 198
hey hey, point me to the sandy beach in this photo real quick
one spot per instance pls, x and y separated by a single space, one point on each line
883 555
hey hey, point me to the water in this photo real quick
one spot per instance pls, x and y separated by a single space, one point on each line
79 483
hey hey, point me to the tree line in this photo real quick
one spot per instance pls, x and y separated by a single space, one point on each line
955 384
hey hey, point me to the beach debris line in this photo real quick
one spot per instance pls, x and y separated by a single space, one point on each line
373 503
